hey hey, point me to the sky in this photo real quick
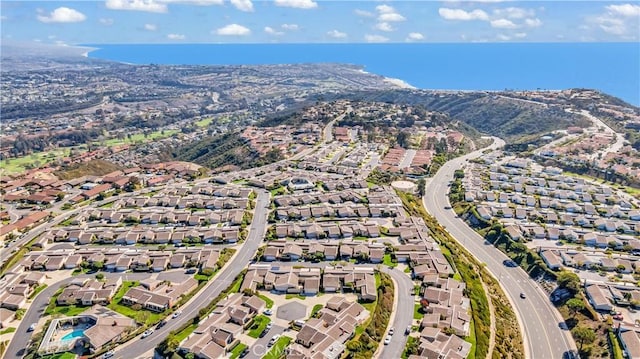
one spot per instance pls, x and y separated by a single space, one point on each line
313 21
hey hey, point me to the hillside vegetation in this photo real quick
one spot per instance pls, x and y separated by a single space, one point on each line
489 113
91 168
222 150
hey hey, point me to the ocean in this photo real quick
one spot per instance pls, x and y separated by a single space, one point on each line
613 68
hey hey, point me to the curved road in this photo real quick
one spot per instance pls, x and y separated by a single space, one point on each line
21 338
538 318
136 348
402 315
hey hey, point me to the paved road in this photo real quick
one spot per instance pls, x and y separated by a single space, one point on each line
135 348
403 313
537 316
260 347
21 338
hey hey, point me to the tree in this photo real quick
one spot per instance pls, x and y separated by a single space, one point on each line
575 305
569 280
402 139
583 334
100 276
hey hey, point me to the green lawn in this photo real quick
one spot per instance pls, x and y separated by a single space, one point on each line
267 300
20 164
38 289
140 137
416 312
183 334
7 331
316 309
259 323
278 348
66 310
291 296
387 260
235 352
142 316
205 122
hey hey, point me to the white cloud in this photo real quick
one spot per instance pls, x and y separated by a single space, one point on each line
393 17
363 13
298 4
415 36
243 5
384 26
63 15
150 27
3 17
520 35
533 22
514 12
233 30
612 26
290 27
271 31
503 24
106 21
337 34
459 14
503 37
375 38
629 10
193 2
385 9
388 14
176 37
136 5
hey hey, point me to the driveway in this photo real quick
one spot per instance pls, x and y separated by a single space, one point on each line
260 348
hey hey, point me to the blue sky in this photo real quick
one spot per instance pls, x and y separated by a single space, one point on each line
286 21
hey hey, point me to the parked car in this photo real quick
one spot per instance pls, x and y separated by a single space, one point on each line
147 333
391 331
268 312
176 314
161 324
108 354
32 327
244 353
268 327
387 340
407 331
273 340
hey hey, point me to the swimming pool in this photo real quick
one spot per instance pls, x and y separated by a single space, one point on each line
73 335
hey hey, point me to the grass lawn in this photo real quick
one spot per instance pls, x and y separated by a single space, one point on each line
7 331
387 260
471 339
141 316
61 356
259 323
291 296
278 348
457 276
235 352
183 334
39 289
66 310
417 314
267 300
20 164
205 122
316 309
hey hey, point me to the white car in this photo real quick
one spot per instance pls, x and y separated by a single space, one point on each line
147 333
268 312
273 340
391 331
108 354
176 314
387 340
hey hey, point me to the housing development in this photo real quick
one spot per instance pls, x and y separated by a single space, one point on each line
311 212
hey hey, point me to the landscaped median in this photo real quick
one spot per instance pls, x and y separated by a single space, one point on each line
508 338
372 331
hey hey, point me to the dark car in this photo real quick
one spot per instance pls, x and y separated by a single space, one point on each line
244 353
161 324
264 332
509 263
570 354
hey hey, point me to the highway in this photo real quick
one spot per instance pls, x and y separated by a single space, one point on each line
537 317
136 348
